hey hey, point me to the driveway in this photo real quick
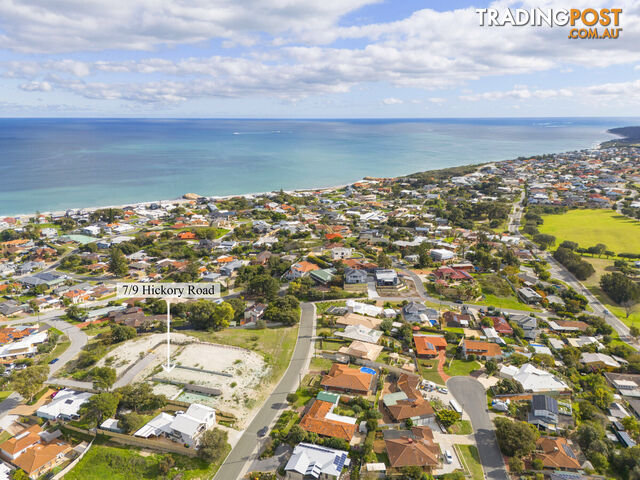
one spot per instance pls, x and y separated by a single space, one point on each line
243 453
472 397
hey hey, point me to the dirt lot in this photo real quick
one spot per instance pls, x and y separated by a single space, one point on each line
244 368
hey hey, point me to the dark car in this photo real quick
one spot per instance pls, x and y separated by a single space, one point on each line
459 302
263 431
53 361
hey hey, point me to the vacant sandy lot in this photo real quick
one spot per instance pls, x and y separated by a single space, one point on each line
245 370
130 352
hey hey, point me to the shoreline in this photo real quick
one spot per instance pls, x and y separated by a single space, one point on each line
182 200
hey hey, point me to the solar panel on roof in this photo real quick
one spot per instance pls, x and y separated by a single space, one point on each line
568 451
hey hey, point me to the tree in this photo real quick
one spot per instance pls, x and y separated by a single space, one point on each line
19 474
544 240
515 438
74 312
101 406
516 465
212 445
103 377
239 306
491 367
447 417
139 397
165 464
131 422
620 288
118 263
296 435
383 260
264 285
206 315
121 333
634 332
29 381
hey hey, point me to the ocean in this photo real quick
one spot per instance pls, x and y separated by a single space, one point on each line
55 164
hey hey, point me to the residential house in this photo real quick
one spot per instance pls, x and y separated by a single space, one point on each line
342 378
407 402
354 276
321 420
301 269
386 278
457 320
254 313
533 379
363 350
527 323
184 428
556 454
356 319
416 312
415 447
359 332
529 296
428 346
483 350
65 405
309 461
544 412
502 326
599 361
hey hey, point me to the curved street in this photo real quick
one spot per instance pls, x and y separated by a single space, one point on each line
472 397
239 458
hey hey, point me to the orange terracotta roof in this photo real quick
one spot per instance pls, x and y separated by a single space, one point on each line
345 378
417 448
304 266
429 345
315 421
482 348
40 455
22 440
556 453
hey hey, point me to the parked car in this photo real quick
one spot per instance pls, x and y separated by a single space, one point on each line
53 361
263 431
448 457
443 390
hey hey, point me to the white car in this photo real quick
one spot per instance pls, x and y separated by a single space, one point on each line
447 457
443 390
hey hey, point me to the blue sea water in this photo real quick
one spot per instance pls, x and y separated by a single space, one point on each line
55 164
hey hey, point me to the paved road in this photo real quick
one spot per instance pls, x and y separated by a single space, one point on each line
472 397
242 454
78 340
130 374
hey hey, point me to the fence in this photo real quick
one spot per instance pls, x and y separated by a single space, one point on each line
68 468
152 444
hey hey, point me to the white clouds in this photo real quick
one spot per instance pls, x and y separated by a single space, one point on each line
92 25
622 92
286 49
36 87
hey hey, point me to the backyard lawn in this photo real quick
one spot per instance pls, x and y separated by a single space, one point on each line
275 344
117 463
471 459
4 394
461 427
590 227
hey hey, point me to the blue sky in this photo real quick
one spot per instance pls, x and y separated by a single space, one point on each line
306 59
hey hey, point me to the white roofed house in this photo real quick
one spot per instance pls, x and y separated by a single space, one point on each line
65 405
533 379
184 428
310 461
359 332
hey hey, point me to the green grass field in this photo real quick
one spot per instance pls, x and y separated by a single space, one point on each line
471 459
461 427
117 463
590 227
460 367
429 370
275 344
602 266
4 394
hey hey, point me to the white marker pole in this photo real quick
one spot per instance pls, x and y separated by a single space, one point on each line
168 367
